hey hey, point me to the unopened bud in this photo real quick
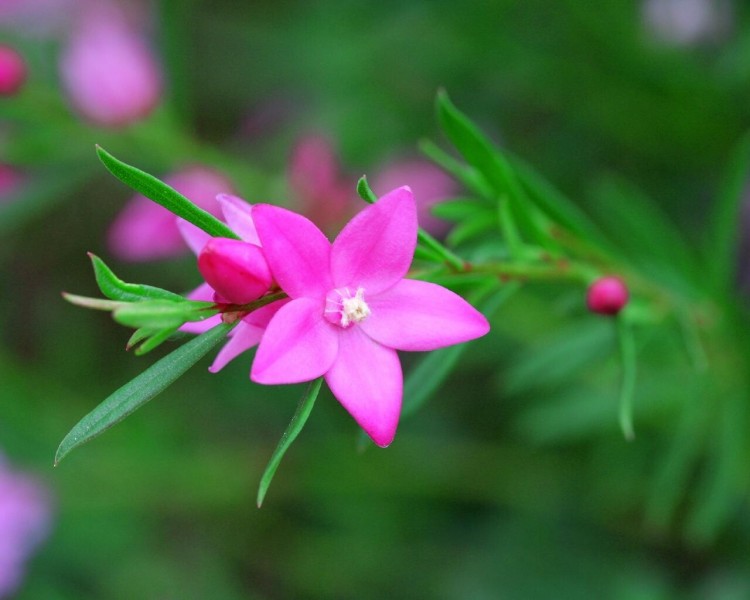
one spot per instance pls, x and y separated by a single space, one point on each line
12 71
238 271
607 296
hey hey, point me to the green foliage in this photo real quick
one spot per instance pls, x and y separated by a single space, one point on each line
140 390
161 193
304 408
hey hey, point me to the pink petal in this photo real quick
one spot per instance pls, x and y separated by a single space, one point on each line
366 378
241 338
246 335
238 215
236 270
375 249
297 251
417 315
193 236
205 293
298 345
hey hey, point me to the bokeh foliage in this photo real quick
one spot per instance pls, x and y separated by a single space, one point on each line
513 480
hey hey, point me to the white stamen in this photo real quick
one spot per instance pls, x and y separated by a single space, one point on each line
355 309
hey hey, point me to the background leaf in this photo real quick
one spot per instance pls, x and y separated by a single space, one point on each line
140 390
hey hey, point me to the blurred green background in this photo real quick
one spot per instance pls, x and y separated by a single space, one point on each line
514 481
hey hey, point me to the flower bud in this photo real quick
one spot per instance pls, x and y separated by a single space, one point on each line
236 270
108 71
12 71
146 231
607 296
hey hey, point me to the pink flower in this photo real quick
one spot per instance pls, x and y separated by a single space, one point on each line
429 184
10 180
108 70
146 231
24 522
607 296
12 71
351 308
235 272
315 179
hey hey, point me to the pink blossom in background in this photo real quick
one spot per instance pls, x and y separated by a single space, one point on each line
429 184
324 194
12 71
351 308
246 334
687 22
10 180
146 231
24 523
36 17
108 70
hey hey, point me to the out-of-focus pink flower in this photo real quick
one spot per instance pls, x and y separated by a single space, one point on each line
246 334
607 296
429 184
324 194
107 68
351 308
12 71
687 22
36 17
24 523
10 180
146 231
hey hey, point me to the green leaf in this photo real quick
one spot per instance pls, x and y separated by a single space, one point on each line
304 408
155 340
644 234
722 246
474 226
480 153
469 177
458 209
364 191
140 390
161 193
432 371
627 389
116 289
554 203
160 314
94 303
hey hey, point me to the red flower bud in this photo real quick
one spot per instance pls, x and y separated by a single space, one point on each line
12 71
607 296
236 270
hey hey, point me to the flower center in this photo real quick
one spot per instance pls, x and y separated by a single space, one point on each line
343 309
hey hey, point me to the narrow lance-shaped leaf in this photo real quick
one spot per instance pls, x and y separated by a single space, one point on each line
140 390
480 153
628 362
469 177
304 408
722 246
158 314
161 193
432 371
116 289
